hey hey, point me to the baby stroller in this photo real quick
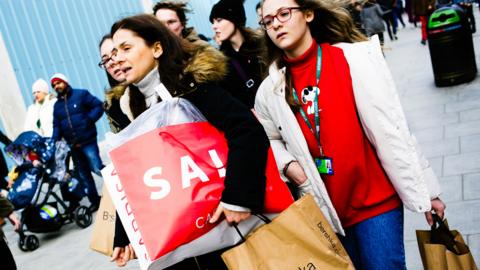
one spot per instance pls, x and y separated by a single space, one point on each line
36 188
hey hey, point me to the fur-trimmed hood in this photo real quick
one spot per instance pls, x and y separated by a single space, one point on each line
207 64
115 92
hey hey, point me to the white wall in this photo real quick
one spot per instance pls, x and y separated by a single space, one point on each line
12 105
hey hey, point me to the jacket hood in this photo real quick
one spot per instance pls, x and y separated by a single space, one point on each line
115 92
207 64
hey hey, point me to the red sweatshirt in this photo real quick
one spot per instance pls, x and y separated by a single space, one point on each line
359 188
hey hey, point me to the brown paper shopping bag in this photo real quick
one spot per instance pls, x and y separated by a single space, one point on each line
104 227
299 238
443 249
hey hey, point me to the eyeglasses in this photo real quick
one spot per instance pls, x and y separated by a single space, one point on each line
283 15
104 63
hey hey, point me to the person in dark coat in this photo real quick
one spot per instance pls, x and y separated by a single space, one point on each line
3 165
74 117
387 8
422 10
244 48
193 73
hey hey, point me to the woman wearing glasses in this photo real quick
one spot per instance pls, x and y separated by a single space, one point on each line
117 119
149 55
242 46
335 123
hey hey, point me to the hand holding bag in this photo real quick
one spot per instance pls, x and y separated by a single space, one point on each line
299 238
443 249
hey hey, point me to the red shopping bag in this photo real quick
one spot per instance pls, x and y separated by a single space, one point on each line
173 180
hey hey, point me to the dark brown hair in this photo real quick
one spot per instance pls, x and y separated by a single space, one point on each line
332 23
170 64
259 49
179 7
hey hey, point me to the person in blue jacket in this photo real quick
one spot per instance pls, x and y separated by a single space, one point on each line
74 117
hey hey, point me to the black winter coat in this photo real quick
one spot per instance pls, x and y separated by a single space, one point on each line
247 63
74 116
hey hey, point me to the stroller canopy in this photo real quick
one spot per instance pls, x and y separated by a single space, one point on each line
31 141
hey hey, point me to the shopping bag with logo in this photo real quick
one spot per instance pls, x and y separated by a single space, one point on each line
298 238
104 227
172 177
444 249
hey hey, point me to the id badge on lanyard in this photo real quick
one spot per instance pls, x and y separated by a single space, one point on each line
324 164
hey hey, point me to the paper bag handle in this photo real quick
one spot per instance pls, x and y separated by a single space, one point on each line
441 234
262 217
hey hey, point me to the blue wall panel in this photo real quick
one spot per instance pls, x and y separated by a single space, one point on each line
48 36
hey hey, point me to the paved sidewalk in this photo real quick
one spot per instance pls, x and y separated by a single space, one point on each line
446 121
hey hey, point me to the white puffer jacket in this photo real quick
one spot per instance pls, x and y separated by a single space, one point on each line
382 119
43 113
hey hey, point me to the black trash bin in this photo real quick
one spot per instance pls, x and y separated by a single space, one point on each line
451 46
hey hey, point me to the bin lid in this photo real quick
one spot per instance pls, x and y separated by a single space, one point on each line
443 17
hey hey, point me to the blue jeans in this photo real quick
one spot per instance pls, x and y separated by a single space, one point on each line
87 159
377 243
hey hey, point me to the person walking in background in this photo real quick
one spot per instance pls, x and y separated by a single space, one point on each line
387 8
398 12
409 10
74 117
6 211
355 8
244 48
371 15
337 129
173 15
40 113
3 165
152 56
422 9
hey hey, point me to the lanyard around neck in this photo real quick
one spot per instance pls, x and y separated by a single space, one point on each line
315 132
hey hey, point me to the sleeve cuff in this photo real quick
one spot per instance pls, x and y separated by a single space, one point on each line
236 208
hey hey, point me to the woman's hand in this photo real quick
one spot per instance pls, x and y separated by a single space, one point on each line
14 220
121 255
439 207
295 173
232 217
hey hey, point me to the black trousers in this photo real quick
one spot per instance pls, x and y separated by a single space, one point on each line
6 258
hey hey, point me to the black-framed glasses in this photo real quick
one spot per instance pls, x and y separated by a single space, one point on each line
104 62
283 15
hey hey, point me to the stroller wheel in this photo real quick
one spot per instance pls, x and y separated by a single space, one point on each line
31 242
21 244
82 216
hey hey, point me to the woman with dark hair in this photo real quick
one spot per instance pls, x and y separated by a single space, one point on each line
337 129
113 96
149 55
243 46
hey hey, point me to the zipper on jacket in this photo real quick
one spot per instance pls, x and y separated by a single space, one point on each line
69 120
